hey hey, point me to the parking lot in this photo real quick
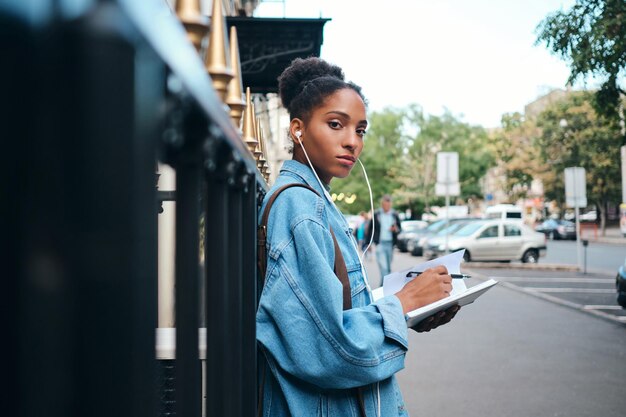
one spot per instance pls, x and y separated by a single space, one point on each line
592 293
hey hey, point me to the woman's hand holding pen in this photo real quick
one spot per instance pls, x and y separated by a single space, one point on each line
432 285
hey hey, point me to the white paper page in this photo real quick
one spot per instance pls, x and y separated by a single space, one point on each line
396 280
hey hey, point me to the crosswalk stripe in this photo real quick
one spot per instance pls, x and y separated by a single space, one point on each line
602 307
570 280
576 290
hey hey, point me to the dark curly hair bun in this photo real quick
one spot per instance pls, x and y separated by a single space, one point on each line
307 82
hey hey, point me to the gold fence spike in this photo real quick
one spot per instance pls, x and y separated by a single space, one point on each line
195 23
234 92
217 55
257 149
248 133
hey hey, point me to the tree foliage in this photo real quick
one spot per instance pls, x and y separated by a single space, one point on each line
573 134
400 158
518 157
591 37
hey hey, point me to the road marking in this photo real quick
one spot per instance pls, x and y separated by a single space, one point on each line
546 279
560 301
601 307
578 290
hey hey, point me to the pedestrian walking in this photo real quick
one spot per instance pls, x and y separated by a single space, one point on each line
386 226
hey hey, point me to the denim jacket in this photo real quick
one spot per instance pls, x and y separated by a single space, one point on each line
314 353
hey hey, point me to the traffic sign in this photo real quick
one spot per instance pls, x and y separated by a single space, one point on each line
575 187
447 174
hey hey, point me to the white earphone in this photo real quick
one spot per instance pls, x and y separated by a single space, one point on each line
298 134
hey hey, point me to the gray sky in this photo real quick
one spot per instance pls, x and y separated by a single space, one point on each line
474 57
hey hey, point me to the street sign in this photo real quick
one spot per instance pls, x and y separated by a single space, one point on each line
447 174
575 187
453 189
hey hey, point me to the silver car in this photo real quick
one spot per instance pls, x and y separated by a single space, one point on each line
409 231
491 240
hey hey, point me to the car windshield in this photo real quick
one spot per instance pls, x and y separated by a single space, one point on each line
468 228
450 229
436 226
411 227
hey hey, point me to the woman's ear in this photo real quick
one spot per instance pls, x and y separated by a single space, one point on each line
296 127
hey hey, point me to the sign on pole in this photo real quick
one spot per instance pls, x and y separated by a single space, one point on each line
576 196
575 187
447 174
447 180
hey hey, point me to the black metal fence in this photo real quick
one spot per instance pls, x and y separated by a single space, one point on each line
92 94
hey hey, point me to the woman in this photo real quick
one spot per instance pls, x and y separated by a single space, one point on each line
315 354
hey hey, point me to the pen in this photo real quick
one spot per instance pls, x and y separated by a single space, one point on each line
454 276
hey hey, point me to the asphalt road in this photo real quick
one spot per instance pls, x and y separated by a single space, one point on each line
601 257
512 353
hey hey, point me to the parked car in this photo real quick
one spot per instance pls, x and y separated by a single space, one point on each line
494 240
590 216
416 244
409 231
503 211
620 285
557 229
439 239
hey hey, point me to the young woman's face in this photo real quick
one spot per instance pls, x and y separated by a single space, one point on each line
333 136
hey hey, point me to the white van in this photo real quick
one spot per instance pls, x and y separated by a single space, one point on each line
503 211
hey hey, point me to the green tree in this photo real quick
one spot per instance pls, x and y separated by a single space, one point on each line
448 134
400 158
591 37
574 134
514 149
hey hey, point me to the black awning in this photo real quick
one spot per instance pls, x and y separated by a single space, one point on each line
268 45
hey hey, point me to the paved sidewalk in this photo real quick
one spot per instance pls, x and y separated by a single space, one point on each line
613 234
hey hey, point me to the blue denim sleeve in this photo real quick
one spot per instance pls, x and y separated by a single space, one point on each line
302 325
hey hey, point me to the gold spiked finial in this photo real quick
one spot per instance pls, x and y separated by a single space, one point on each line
248 125
265 169
257 150
261 161
234 93
217 62
195 23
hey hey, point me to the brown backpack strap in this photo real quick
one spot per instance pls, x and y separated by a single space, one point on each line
340 270
342 273
340 265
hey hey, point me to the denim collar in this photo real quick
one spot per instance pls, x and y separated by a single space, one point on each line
304 172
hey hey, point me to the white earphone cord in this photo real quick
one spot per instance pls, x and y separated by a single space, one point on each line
328 197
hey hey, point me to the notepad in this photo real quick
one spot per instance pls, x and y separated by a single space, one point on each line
460 295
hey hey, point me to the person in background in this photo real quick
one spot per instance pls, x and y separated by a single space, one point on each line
386 228
360 231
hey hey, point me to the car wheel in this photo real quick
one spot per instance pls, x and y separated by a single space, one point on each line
551 235
466 256
621 295
531 256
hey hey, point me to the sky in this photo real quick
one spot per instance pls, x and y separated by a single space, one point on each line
475 58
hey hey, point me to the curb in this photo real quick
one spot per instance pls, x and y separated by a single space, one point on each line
609 241
533 267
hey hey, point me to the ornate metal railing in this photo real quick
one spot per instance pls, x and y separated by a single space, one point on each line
92 95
